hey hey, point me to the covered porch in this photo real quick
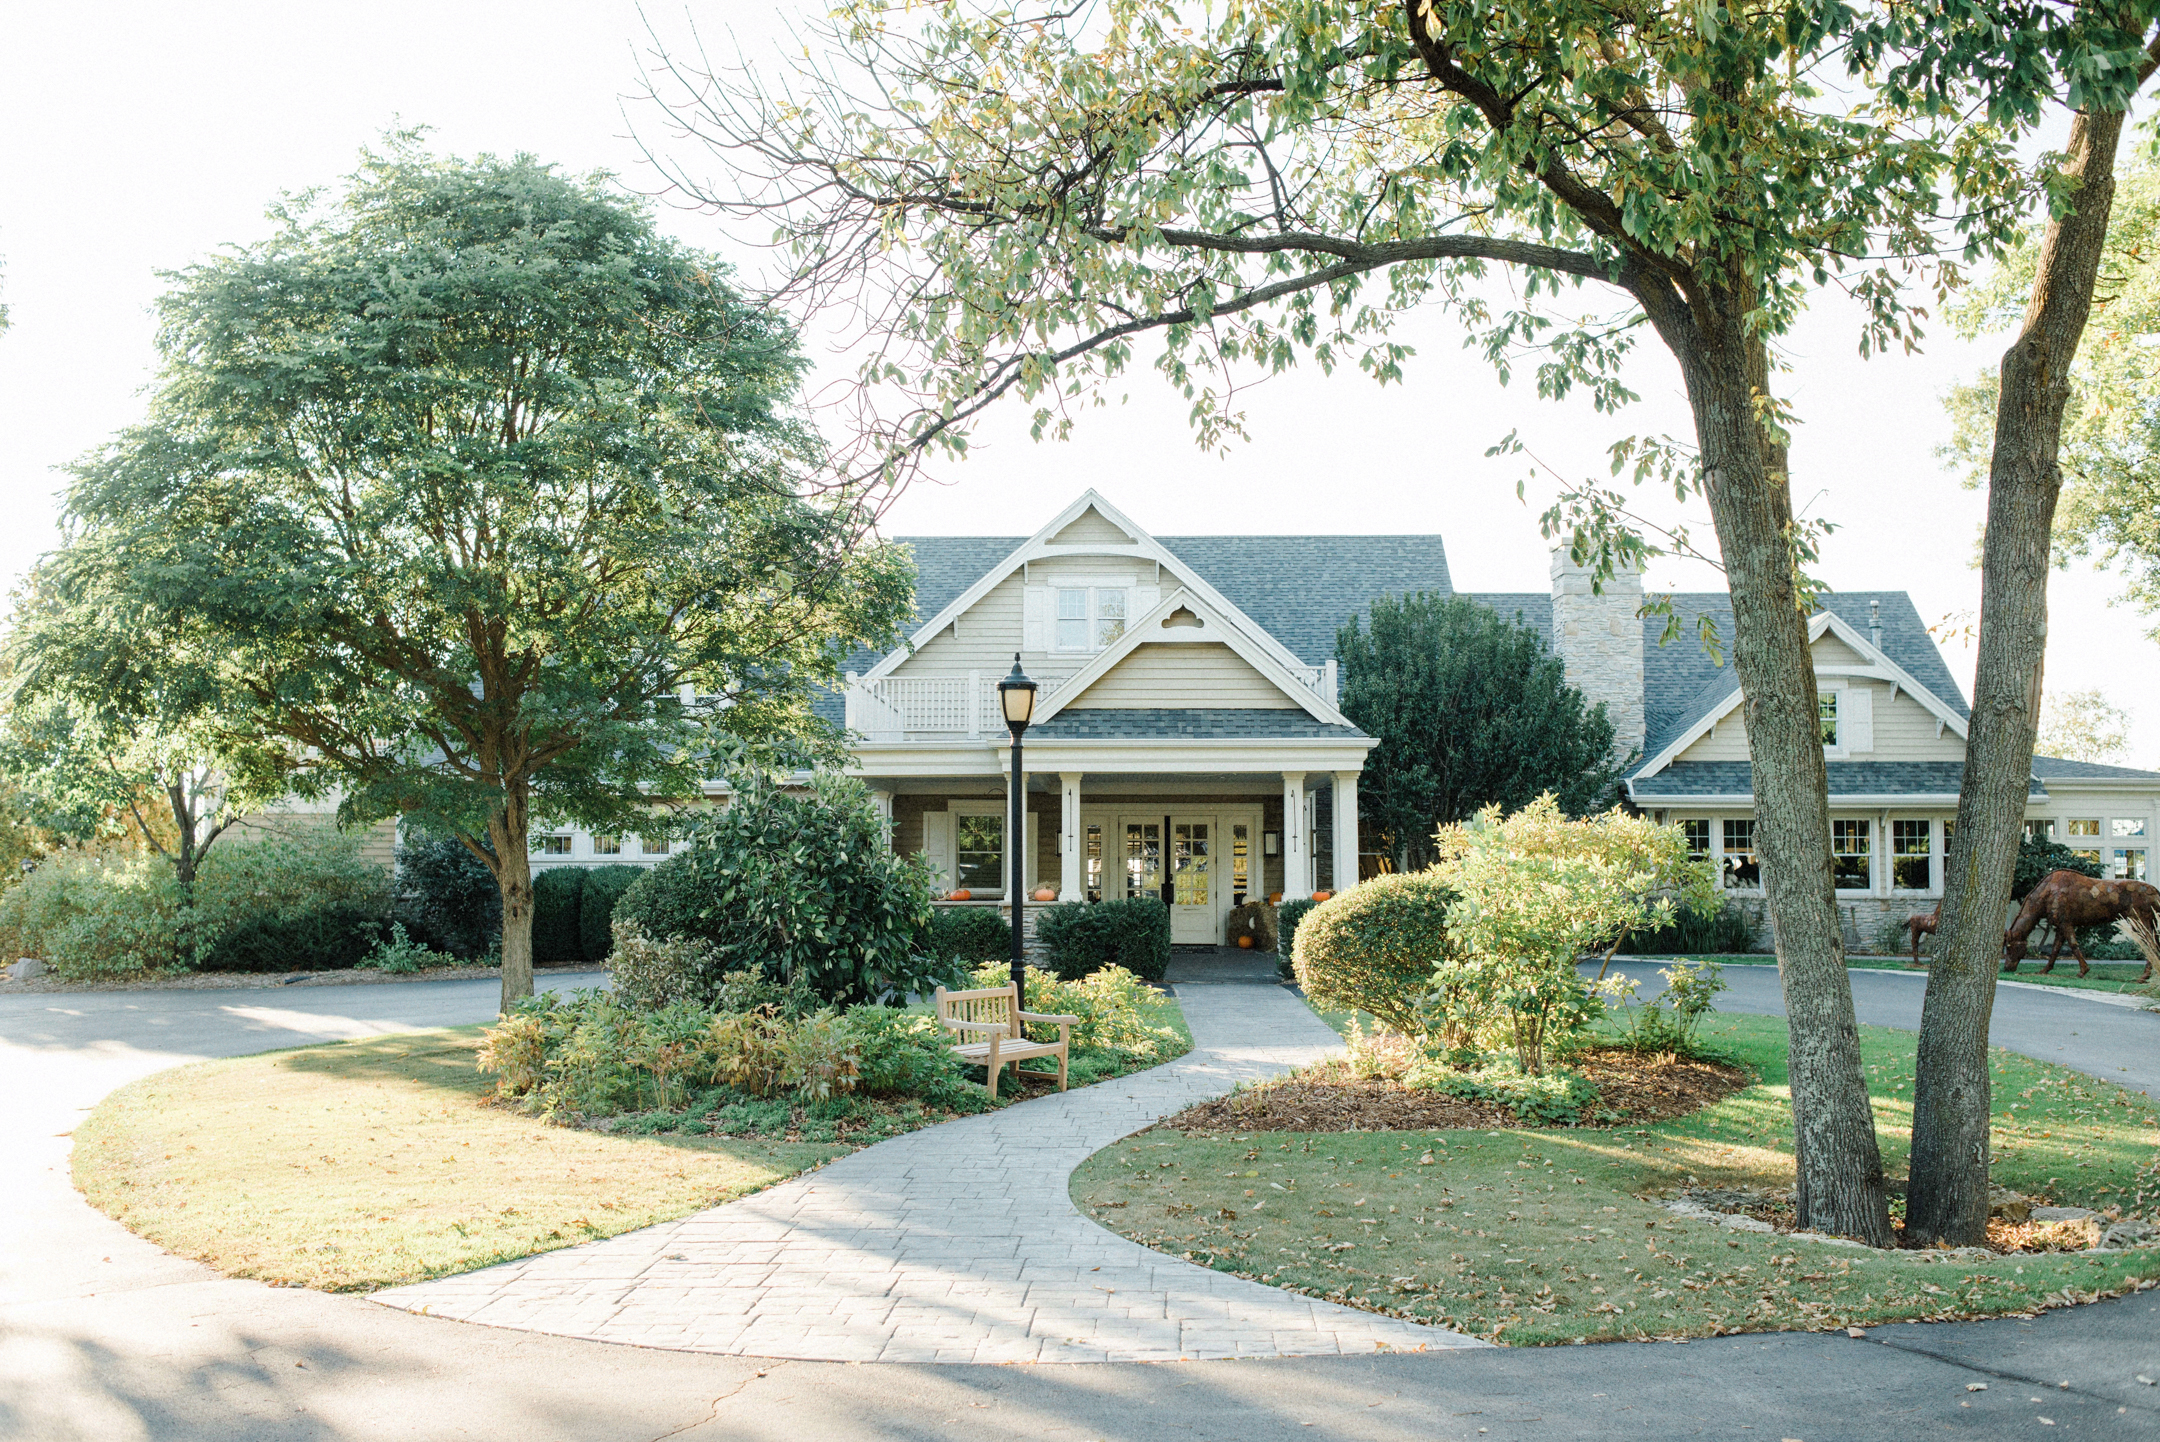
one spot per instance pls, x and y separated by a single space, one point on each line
1240 821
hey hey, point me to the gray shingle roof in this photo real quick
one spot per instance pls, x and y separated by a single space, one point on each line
1684 779
2061 768
1244 725
1682 684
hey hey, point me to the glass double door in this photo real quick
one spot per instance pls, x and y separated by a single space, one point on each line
1199 865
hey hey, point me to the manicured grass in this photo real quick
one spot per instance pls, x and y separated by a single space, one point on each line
370 1163
1550 1236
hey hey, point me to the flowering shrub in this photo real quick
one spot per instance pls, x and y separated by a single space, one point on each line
1116 1011
1536 890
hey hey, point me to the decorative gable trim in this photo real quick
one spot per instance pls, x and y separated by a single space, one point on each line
1185 618
1041 546
1874 665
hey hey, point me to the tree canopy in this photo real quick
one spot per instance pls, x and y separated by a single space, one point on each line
2110 507
488 499
1471 711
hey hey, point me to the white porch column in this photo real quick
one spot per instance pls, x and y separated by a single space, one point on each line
1296 859
1346 837
884 811
1072 851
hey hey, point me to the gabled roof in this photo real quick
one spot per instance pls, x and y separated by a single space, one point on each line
1215 626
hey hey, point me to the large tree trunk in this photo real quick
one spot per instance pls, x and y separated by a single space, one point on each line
513 873
1948 1196
1837 1161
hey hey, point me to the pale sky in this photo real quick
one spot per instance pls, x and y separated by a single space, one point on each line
143 136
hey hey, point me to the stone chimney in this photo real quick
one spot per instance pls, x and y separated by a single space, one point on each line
1599 637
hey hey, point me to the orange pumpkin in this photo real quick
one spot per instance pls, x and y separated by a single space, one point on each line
961 896
1322 895
1244 943
1046 893
1274 898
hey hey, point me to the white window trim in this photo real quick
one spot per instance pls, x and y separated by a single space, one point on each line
1093 586
1874 854
957 809
1833 686
1934 856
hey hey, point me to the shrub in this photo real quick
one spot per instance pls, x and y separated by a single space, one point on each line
970 934
306 903
1667 1023
447 897
2038 858
651 973
904 1053
1115 1007
1288 917
1085 937
1376 947
604 886
797 884
399 953
1725 930
555 933
309 902
1556 1097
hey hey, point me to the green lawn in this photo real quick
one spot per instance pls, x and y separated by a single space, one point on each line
1549 1236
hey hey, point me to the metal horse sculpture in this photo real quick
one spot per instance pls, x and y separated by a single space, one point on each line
2066 901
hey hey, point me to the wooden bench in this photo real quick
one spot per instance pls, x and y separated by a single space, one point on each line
988 1032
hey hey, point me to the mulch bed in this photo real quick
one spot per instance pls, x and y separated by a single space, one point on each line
1329 1098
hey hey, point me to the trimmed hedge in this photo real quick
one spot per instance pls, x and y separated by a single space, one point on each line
604 886
1376 947
556 893
1287 917
331 938
447 898
971 934
1084 937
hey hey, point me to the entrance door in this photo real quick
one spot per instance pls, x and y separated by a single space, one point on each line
1193 882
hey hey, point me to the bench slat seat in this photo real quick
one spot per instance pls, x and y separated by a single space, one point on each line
988 1031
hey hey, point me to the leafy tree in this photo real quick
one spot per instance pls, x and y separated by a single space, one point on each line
1472 711
1025 194
112 732
2082 726
2095 57
2110 505
472 481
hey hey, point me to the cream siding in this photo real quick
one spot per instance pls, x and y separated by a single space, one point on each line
983 638
1168 676
1904 731
1830 650
1090 528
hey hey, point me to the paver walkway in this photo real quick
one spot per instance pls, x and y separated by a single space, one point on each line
957 1243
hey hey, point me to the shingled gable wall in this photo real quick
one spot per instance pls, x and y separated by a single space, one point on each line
1598 635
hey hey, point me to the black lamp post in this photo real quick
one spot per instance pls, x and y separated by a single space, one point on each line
1016 697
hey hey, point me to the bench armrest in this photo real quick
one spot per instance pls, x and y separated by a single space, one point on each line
1039 1016
983 1028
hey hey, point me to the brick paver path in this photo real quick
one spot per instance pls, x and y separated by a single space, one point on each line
957 1243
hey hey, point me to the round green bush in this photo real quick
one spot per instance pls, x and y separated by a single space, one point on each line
1375 947
796 884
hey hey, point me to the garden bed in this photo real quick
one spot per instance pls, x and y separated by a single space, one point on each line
1333 1098
1562 1234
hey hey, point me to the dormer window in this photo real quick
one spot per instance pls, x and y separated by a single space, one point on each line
1089 617
1826 706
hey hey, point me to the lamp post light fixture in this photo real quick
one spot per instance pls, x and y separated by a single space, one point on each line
1016 698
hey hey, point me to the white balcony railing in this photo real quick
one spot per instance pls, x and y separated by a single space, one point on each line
900 708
